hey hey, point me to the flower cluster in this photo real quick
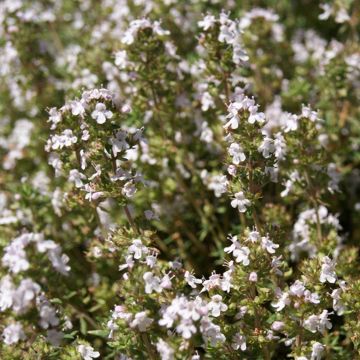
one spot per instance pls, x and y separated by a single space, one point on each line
179 180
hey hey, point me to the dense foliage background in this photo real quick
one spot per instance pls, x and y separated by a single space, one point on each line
179 179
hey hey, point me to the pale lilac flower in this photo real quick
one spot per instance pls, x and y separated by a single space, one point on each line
239 342
7 289
152 283
100 114
165 350
54 117
338 304
141 321
54 337
13 333
254 236
253 277
277 325
317 350
216 306
121 59
291 123
77 108
119 142
24 295
268 245
241 255
77 178
283 300
129 189
266 147
207 22
324 322
214 281
192 280
279 146
312 323
313 298
211 332
297 289
137 249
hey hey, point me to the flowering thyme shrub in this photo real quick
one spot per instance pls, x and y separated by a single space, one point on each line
179 179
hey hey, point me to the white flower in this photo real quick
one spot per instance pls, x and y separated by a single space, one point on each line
54 117
324 322
342 16
65 139
283 300
77 178
207 101
87 352
137 249
311 323
267 147
77 108
165 350
291 122
297 289
338 305
240 202
211 332
328 270
24 295
121 59
216 306
254 236
13 333
268 245
235 244
15 257
318 322
241 255
152 283
100 114
47 313
317 350
7 289
236 152
129 189
306 112
239 342
289 184
327 11
219 184
311 297
279 146
232 170
253 277
119 143
207 22
141 321
191 279
277 325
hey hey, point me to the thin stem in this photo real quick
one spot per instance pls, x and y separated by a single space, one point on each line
149 346
316 205
252 190
131 220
